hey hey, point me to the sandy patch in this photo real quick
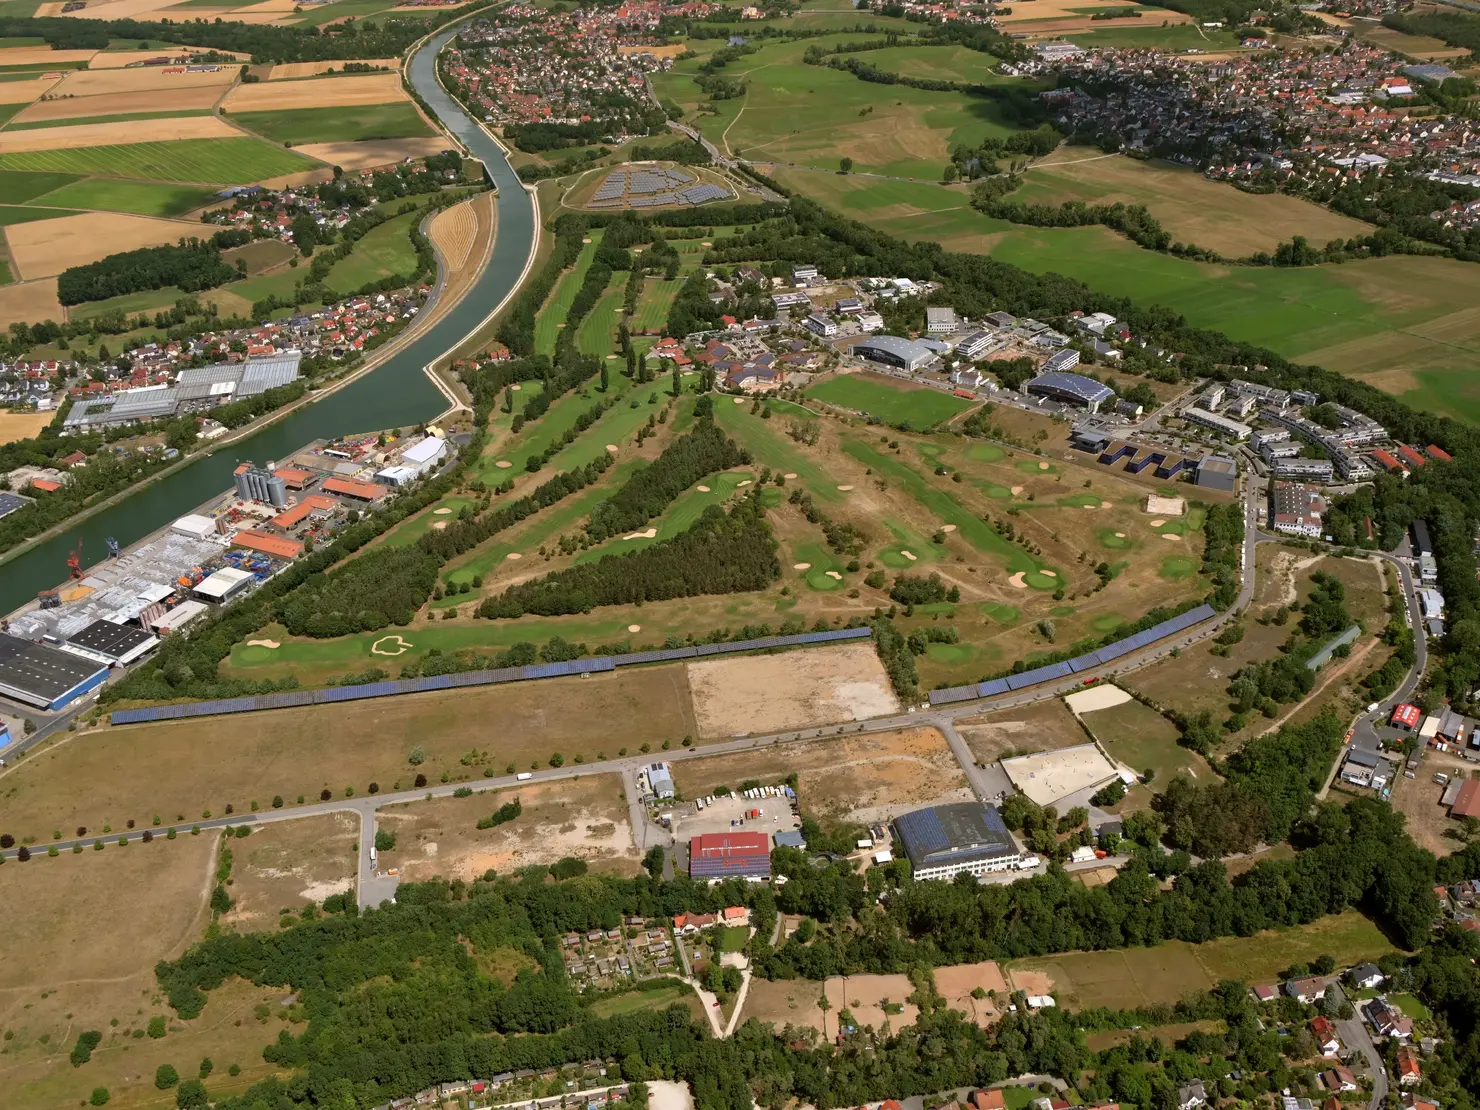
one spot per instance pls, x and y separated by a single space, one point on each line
1120 535
271 645
1043 466
46 247
1049 573
648 534
634 628
1103 696
1157 523
289 863
956 983
438 525
910 555
79 107
789 477
443 511
738 400
702 489
834 574
1016 490
1170 536
744 483
1016 581
391 645
28 301
767 693
22 425
1105 505
23 92
368 155
289 70
612 447
845 489
503 464
108 82
801 566
1030 982
516 387
337 92
665 1094
947 527
1091 506
121 132
513 555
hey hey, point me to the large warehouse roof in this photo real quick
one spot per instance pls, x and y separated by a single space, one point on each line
724 854
39 674
954 833
1074 385
908 349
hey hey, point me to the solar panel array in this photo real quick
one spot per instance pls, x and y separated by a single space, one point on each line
612 188
656 181
1090 660
653 189
289 699
701 194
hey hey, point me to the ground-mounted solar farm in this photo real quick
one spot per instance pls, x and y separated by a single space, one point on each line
641 187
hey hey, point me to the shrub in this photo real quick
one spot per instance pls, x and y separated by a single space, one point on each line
165 1076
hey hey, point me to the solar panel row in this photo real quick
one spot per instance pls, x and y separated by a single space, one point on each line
389 688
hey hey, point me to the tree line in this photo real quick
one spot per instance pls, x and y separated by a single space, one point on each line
192 264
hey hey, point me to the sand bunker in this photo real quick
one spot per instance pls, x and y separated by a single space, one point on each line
516 387
1049 573
1120 535
739 400
513 555
1089 506
634 628
834 574
1016 581
1016 490
503 464
390 645
744 483
612 447
438 525
947 527
910 555
801 566
702 489
269 644
647 535
443 511
845 489
1157 523
1105 505
1170 536
1043 466
789 477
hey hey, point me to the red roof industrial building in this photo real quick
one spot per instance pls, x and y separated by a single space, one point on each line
727 855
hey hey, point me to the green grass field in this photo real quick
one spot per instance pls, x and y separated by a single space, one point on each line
894 404
228 161
552 315
597 334
142 198
1142 738
940 63
18 188
409 531
766 439
37 125
382 251
654 303
11 214
296 126
679 517
1179 36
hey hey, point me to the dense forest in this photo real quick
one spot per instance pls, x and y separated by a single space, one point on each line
683 462
722 553
193 265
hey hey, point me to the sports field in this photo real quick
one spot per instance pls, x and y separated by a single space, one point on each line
228 161
890 400
1407 324
296 126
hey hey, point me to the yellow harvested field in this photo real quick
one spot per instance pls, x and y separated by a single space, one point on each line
453 231
47 247
122 132
83 107
26 302
22 92
41 56
328 92
109 82
367 155
289 70
22 425
118 59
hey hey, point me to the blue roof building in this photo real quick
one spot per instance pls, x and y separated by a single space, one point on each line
1076 389
943 841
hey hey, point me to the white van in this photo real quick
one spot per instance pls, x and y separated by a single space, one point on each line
522 775
372 855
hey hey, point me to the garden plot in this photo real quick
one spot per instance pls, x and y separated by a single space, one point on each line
768 693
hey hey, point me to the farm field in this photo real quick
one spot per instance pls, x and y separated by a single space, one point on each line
366 155
81 977
47 247
113 105
335 747
140 198
81 136
22 425
299 126
17 187
1176 37
286 864
850 778
892 401
337 92
1163 974
1405 324
586 818
1211 214
229 161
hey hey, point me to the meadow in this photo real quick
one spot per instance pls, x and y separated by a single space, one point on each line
382 251
1407 324
227 161
363 122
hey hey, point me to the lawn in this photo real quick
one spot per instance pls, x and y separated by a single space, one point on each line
409 531
142 198
227 161
637 1001
381 252
550 318
1142 738
597 334
732 938
654 303
765 439
295 126
893 402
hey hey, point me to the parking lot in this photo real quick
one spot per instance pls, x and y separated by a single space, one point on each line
734 812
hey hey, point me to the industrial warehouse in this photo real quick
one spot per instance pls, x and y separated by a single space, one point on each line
947 840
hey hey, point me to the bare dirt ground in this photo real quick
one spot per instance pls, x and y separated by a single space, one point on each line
285 864
367 155
1417 799
286 71
107 82
266 96
117 104
854 777
1040 727
585 818
768 693
120 132
22 425
29 301
44 248
956 983
796 1002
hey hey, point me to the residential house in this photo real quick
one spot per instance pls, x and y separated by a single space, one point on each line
1324 1031
1410 1071
1264 992
1364 976
985 1100
1304 990
1191 1096
1387 1020
1339 1079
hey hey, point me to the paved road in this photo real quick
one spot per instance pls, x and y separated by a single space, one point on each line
1354 1035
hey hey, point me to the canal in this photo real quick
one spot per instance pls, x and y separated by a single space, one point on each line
395 393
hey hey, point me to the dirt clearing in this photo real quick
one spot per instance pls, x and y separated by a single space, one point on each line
768 693
857 777
98 776
43 248
868 1000
1040 727
287 863
81 107
956 983
121 133
22 425
585 818
337 92
368 155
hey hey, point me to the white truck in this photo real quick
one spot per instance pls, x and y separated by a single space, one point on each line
523 775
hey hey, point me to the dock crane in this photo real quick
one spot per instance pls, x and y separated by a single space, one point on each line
74 563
